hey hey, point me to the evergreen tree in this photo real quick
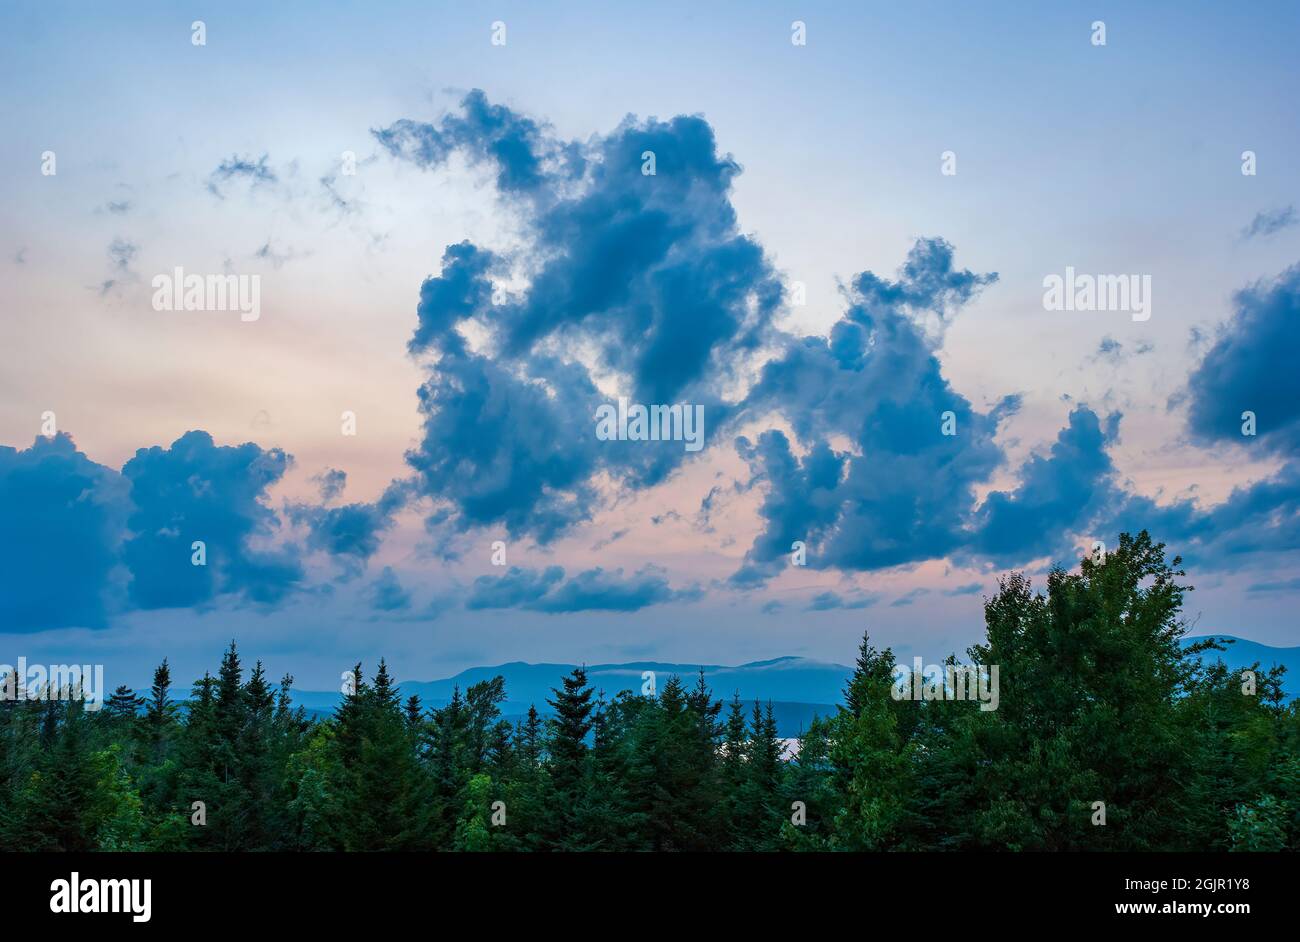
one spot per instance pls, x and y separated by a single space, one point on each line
567 751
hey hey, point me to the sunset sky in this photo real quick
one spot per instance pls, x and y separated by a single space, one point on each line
499 265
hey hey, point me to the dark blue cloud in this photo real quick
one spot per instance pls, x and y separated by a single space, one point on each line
902 492
461 291
1257 520
85 542
652 270
927 282
1056 493
61 517
827 601
351 532
649 273
591 590
505 450
518 588
971 588
1250 368
608 590
198 491
387 594
525 156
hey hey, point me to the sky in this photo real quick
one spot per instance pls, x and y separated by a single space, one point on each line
457 243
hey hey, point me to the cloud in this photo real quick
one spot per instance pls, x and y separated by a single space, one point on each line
196 490
332 482
85 542
826 601
120 255
1268 222
459 292
643 285
612 538
351 532
604 590
1055 494
1246 369
1250 368
592 590
345 206
277 259
969 589
648 274
1288 585
909 598
525 155
387 594
902 490
518 588
256 171
62 516
1112 350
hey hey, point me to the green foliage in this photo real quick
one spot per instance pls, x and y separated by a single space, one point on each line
1100 703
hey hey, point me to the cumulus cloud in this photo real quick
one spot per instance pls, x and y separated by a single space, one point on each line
1250 368
902 490
86 541
644 284
1056 493
648 273
62 517
650 276
351 532
196 490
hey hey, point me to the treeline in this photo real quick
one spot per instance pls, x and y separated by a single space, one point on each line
1109 735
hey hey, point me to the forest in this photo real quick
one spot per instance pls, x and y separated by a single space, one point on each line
1111 734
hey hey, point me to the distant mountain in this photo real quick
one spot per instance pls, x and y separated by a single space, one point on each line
1241 654
799 688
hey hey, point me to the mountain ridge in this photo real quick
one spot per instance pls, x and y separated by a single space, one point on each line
798 687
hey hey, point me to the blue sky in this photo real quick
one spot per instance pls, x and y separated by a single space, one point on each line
777 165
